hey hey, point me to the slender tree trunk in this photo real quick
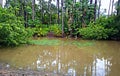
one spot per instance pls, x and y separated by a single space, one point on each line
33 10
95 7
62 17
109 8
41 10
99 8
25 14
79 0
112 6
58 12
49 9
91 1
118 10
75 1
21 8
84 14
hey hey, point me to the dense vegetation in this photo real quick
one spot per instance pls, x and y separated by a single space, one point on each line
12 30
22 19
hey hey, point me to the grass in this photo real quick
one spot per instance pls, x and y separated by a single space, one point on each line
52 42
45 42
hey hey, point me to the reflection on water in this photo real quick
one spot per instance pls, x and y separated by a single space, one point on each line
101 59
101 67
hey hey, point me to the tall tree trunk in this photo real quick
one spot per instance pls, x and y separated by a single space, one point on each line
75 1
91 1
62 17
21 8
109 8
33 10
41 10
118 10
25 14
58 12
112 6
95 7
49 9
99 8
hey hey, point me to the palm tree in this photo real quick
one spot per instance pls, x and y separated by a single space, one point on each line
62 17
95 7
109 8
91 1
25 13
118 6
33 10
112 6
49 9
58 11
21 7
99 8
42 5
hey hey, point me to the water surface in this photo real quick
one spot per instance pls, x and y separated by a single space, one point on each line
70 57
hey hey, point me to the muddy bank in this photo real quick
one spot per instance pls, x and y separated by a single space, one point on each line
5 70
27 73
9 72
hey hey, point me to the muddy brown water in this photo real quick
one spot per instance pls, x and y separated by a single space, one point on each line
100 58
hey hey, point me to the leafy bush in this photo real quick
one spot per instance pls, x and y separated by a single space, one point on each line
56 29
12 31
112 22
13 34
116 25
106 22
96 32
41 30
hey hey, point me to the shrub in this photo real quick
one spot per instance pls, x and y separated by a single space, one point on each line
41 30
112 22
12 31
96 32
13 34
56 29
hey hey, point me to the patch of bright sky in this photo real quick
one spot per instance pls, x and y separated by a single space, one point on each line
104 4
3 3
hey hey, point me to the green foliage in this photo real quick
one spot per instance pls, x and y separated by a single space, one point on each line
45 42
13 34
30 31
80 13
12 31
105 22
34 23
56 29
96 32
41 30
112 22
116 25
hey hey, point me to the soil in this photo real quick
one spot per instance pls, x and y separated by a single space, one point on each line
6 71
27 73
